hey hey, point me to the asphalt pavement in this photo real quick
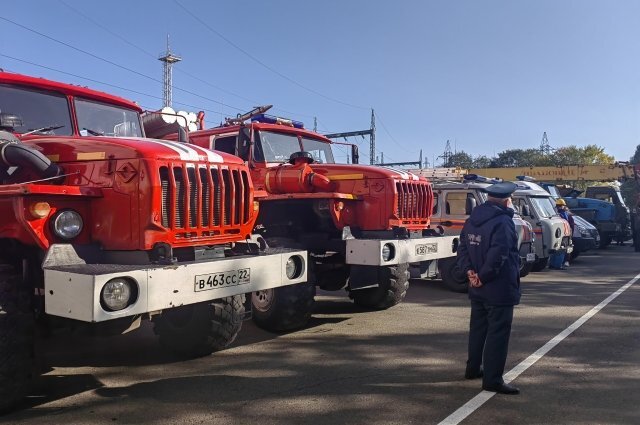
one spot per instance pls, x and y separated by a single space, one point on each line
400 366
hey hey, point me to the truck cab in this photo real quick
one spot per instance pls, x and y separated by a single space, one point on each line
453 203
366 227
103 228
621 213
552 232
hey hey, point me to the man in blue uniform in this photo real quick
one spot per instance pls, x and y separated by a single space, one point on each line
488 253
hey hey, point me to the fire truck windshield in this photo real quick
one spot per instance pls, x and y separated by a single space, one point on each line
278 147
101 119
321 151
29 110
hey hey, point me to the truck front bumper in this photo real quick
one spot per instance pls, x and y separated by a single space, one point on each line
371 252
527 252
74 290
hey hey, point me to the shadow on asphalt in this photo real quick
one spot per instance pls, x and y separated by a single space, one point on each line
344 366
119 351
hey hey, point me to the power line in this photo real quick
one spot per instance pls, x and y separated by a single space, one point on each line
179 70
258 61
114 63
105 84
393 139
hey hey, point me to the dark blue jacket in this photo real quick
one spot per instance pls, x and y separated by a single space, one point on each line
489 245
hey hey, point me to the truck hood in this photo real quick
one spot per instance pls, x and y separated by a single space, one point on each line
360 172
72 149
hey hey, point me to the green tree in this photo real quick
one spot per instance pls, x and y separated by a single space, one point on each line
586 155
519 158
459 159
482 161
635 159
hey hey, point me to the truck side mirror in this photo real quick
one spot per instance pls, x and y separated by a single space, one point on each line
355 156
469 205
525 210
182 135
244 141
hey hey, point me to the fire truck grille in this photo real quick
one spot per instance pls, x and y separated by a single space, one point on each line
204 198
414 200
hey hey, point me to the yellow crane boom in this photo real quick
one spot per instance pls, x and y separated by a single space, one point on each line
617 171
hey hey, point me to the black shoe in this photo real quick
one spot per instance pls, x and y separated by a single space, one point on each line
502 389
473 375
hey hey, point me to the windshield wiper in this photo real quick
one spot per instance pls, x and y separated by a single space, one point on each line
43 129
92 132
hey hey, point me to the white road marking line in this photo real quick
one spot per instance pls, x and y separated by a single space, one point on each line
476 402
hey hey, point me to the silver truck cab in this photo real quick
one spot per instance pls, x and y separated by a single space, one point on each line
453 202
552 232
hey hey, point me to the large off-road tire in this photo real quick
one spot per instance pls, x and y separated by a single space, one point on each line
198 330
284 308
451 275
540 264
17 333
393 282
605 241
526 269
333 279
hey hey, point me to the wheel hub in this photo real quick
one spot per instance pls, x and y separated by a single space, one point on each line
262 300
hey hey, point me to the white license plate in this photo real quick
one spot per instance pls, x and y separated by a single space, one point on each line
531 258
206 282
427 248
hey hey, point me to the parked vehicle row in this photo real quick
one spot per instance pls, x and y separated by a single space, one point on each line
105 227
113 215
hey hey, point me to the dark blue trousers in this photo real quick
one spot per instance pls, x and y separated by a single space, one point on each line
489 331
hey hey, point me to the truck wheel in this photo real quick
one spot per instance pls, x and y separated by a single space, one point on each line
605 241
452 276
17 336
526 269
540 264
393 283
198 330
333 279
285 308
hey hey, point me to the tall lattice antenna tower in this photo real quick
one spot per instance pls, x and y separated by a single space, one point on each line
372 139
168 59
447 154
545 147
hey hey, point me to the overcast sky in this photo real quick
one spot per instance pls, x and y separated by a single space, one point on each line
486 75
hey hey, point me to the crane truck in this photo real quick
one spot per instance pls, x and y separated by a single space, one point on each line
102 227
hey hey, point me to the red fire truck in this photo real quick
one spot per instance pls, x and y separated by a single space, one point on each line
366 227
104 227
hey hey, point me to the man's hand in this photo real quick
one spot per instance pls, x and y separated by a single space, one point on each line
474 280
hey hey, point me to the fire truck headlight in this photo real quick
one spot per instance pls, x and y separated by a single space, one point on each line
388 252
117 294
67 224
294 267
